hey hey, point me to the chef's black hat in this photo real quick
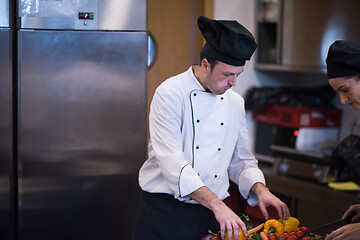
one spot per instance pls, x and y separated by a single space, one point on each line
343 59
227 41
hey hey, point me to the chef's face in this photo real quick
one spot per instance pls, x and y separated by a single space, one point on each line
221 77
348 89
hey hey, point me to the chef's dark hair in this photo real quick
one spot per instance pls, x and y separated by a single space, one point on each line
356 77
210 60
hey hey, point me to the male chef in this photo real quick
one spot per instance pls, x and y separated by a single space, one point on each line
198 141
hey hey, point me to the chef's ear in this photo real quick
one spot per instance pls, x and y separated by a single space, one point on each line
205 65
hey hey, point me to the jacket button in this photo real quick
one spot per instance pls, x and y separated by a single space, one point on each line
221 124
198 121
219 149
222 98
197 147
194 94
215 176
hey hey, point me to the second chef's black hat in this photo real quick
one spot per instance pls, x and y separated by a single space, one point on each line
227 41
343 59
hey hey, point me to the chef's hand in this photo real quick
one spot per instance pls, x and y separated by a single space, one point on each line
347 232
353 213
227 219
266 199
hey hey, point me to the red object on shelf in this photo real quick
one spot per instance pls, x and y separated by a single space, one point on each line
293 117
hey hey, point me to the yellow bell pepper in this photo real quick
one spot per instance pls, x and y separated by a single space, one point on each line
241 235
290 224
279 227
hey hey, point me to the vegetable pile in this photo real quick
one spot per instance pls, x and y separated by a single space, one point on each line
272 229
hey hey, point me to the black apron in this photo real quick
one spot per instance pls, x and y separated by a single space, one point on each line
162 217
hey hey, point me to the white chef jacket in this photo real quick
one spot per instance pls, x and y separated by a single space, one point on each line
197 139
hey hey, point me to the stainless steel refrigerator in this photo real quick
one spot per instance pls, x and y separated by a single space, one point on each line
80 117
7 191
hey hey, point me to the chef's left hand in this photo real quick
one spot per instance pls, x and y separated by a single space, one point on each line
266 199
347 232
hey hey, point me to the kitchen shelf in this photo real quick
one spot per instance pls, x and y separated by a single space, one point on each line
286 68
301 155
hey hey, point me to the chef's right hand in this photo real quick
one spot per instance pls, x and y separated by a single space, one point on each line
229 221
353 213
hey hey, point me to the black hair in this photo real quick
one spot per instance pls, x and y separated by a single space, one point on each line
357 77
210 60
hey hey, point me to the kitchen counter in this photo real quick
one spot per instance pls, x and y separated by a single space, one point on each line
311 202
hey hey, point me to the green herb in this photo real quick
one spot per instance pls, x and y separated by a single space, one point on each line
218 234
255 236
246 217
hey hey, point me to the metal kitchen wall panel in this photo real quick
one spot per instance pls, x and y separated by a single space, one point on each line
82 133
4 13
124 15
6 213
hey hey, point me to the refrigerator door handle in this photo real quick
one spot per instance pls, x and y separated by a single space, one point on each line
152 50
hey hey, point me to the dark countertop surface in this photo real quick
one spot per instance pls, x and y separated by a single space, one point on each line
314 203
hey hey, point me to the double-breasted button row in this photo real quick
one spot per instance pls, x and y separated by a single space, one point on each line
194 94
215 176
198 121
198 147
219 149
